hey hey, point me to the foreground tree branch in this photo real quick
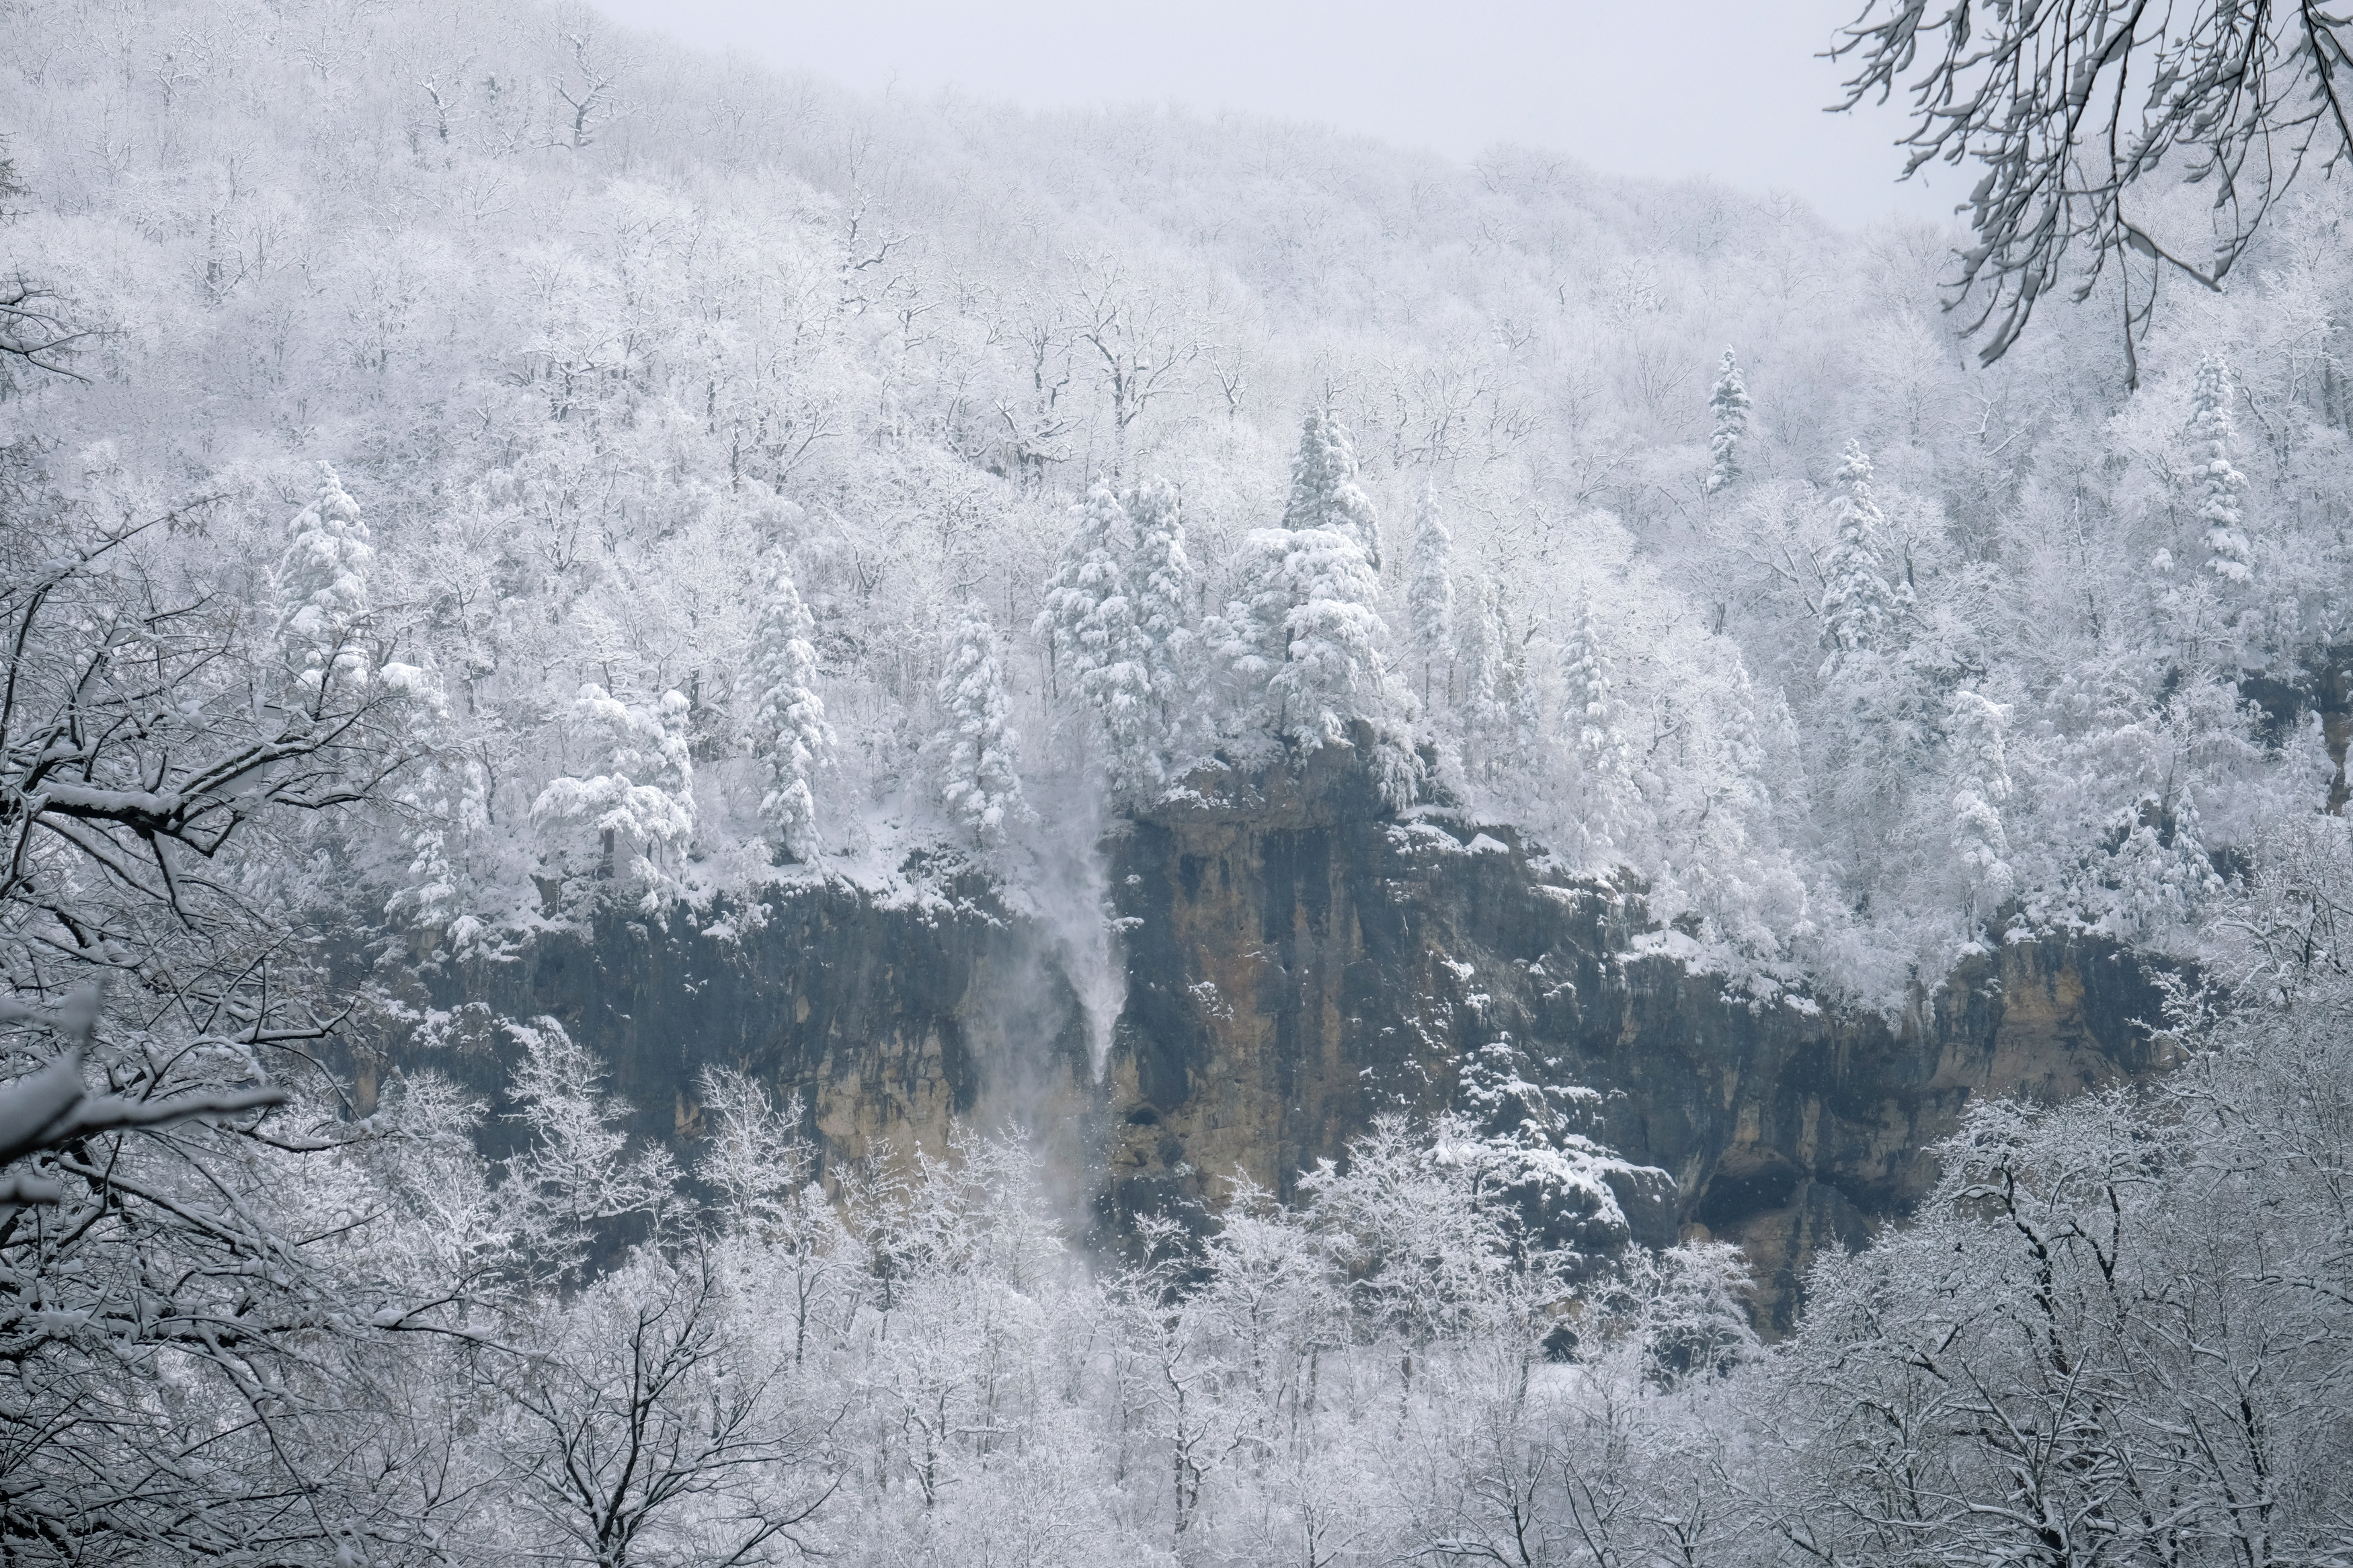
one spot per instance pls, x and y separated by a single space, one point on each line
2070 109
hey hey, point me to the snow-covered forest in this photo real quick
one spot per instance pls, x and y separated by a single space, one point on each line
1857 655
465 465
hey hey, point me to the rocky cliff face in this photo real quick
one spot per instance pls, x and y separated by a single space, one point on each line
1298 962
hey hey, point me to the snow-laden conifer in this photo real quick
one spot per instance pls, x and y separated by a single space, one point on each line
790 735
1480 660
1116 621
1086 617
1300 641
1523 718
1333 672
1429 598
1160 586
1727 408
1248 639
1974 726
322 586
1857 603
446 801
1323 491
2161 874
1600 764
2217 481
978 778
1744 745
1118 694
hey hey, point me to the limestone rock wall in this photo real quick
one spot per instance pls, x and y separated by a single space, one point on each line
1299 963
1299 960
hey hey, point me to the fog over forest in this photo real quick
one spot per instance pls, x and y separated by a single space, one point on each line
475 478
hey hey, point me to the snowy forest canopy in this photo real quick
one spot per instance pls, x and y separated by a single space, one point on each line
1857 656
463 465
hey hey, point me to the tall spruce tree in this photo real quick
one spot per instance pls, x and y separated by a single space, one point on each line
1973 727
1332 671
1301 641
1116 617
1160 588
1600 766
635 787
789 734
1486 717
1523 734
1430 599
322 586
1086 618
1727 408
1323 491
979 781
2217 481
1857 603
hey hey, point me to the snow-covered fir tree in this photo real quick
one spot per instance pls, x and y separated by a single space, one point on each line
1121 706
1324 491
788 735
1744 742
1523 704
1250 639
1727 408
2161 876
447 802
1482 709
1308 624
1099 651
979 781
1430 599
1857 603
1334 672
1974 726
1522 714
1302 640
1161 586
2217 484
1600 764
322 586
1086 617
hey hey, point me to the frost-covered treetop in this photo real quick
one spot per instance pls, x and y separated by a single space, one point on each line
1333 671
1429 595
979 779
1727 425
639 787
789 734
322 579
1857 603
2219 483
1323 490
1086 615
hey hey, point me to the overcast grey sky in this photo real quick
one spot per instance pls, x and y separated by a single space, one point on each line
1716 87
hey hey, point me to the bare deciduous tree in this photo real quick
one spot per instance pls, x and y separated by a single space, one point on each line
2070 107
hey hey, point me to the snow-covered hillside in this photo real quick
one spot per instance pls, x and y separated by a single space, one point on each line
1858 653
477 484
